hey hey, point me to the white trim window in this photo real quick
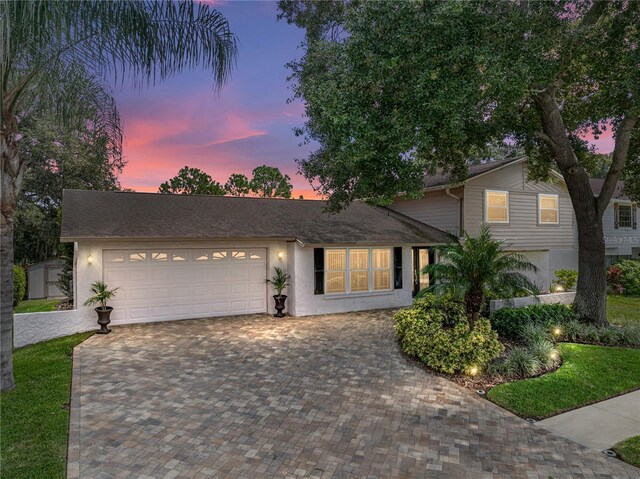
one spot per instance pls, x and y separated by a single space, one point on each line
625 215
357 270
548 209
496 206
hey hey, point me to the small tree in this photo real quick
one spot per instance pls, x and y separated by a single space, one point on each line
191 181
473 268
269 182
237 185
101 295
280 280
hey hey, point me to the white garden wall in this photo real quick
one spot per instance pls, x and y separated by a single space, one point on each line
30 328
562 298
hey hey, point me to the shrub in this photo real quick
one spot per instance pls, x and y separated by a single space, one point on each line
565 278
630 277
522 362
544 351
532 333
436 330
510 321
19 284
576 331
614 280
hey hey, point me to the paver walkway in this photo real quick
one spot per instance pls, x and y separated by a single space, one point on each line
600 425
258 397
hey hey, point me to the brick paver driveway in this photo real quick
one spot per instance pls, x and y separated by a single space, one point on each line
328 396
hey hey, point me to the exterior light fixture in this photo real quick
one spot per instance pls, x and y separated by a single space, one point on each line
280 254
559 289
473 371
557 331
553 356
90 259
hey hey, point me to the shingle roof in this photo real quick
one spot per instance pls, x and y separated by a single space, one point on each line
113 215
596 186
442 179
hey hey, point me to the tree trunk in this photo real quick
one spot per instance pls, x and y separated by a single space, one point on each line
11 173
591 290
6 299
474 300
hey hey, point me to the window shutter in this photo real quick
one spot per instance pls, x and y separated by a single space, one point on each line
634 216
397 267
318 270
615 215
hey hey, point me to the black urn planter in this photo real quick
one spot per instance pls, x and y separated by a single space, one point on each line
280 299
104 319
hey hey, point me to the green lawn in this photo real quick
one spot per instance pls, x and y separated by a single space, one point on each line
629 450
588 374
34 415
623 310
36 305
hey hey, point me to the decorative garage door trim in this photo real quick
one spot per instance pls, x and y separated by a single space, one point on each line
163 284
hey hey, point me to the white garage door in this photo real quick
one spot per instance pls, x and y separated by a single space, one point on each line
166 284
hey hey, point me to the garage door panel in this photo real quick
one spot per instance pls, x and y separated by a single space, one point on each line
164 284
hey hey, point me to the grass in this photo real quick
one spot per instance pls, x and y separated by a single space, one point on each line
588 374
36 305
623 310
629 450
35 414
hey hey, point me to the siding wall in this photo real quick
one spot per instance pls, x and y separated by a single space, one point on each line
523 231
621 241
436 208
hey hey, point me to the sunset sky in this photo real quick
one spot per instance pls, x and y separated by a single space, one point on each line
184 122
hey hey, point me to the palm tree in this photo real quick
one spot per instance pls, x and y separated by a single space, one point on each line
473 268
56 57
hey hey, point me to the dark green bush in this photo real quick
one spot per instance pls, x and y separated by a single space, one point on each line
630 277
578 332
436 330
19 284
510 321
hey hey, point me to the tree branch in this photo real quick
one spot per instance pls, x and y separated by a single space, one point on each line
619 158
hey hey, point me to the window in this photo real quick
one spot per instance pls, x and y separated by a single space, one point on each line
548 209
159 257
336 271
238 255
218 255
179 257
496 206
358 270
624 216
134 257
381 266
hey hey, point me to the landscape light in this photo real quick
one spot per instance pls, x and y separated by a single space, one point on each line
473 371
554 356
559 289
557 331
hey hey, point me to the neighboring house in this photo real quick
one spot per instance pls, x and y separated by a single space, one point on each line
178 257
620 222
43 279
534 218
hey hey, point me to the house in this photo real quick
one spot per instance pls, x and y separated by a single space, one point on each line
533 218
43 279
620 223
175 256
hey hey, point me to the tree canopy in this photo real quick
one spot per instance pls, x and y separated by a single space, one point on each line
266 181
397 89
192 181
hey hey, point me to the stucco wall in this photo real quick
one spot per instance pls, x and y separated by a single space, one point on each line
562 298
30 328
307 303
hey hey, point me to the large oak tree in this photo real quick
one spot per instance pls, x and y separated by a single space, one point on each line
396 89
55 59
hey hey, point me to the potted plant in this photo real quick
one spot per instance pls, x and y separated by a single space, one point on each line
279 281
101 294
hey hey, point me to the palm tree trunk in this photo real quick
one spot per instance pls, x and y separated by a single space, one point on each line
474 300
11 172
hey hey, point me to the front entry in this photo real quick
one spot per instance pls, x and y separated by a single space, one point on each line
421 256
